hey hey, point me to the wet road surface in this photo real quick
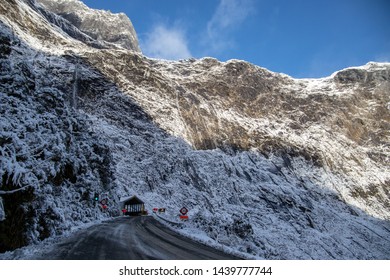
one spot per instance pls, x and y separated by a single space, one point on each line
137 238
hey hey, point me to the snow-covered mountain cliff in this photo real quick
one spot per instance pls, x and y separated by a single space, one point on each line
272 166
98 24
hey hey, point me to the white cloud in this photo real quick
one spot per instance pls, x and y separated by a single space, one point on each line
166 43
227 17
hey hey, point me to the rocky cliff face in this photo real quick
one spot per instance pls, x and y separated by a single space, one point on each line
98 24
339 123
268 165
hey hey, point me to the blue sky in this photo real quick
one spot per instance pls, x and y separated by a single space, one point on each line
302 38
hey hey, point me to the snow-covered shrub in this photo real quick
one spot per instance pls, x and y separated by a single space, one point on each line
51 162
226 227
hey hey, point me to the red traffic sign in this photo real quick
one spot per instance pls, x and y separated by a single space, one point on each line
183 217
155 210
183 211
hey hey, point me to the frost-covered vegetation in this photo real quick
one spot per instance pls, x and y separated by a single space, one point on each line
51 161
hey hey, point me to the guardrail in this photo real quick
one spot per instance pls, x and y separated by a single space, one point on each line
168 221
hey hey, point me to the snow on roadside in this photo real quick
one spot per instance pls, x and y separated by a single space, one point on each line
34 251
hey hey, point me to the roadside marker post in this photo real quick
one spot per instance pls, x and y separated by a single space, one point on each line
183 211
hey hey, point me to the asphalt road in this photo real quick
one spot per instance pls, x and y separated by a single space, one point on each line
136 238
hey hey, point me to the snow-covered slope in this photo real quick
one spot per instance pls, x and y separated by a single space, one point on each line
340 123
268 165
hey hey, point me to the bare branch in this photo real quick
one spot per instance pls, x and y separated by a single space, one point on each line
13 191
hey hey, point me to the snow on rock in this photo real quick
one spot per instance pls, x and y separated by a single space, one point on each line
100 25
269 166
